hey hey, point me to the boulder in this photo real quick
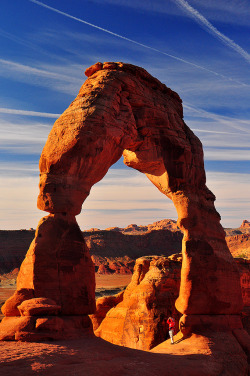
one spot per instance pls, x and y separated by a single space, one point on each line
39 307
10 306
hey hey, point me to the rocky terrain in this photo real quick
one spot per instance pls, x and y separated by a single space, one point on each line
115 249
137 317
152 292
198 355
122 110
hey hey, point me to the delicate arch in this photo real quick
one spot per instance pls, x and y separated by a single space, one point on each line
122 109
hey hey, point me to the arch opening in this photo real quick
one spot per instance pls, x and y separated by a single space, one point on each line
122 197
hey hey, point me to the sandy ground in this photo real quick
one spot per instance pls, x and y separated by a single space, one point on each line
112 280
215 354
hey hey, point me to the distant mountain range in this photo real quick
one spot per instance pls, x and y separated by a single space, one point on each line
115 249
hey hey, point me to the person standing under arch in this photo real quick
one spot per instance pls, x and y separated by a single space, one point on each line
171 324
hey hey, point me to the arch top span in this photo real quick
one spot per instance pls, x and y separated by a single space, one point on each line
120 109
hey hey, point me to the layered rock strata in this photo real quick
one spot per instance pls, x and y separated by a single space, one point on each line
122 110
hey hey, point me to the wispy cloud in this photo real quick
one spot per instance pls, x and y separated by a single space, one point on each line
241 125
67 82
33 71
231 11
134 42
232 196
197 16
122 197
13 111
23 137
226 154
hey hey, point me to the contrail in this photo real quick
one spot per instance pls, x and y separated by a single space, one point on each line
237 124
135 42
212 29
28 113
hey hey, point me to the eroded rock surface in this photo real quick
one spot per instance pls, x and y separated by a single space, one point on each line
139 319
122 110
57 267
239 245
136 318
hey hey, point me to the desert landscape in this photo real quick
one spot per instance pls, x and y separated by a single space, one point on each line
191 269
89 354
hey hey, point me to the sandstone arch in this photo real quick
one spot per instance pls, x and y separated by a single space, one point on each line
122 110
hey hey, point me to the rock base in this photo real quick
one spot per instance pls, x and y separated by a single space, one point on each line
199 323
44 328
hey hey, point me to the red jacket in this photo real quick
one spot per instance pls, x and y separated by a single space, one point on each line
171 323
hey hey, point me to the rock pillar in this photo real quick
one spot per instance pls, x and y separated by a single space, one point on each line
56 281
210 285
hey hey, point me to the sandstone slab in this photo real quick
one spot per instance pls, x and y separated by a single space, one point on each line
10 306
39 307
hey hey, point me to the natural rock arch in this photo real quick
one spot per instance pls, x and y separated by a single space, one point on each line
122 110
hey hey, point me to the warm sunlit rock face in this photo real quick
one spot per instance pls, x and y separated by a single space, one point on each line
57 267
123 110
139 320
136 318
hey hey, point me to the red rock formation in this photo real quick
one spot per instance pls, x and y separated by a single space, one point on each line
103 305
139 319
239 245
244 270
127 100
58 267
245 224
133 311
123 110
39 307
115 245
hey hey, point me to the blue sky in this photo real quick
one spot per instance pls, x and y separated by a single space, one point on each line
197 48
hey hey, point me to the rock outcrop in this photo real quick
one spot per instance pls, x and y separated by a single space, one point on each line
122 110
245 224
239 245
137 317
57 267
